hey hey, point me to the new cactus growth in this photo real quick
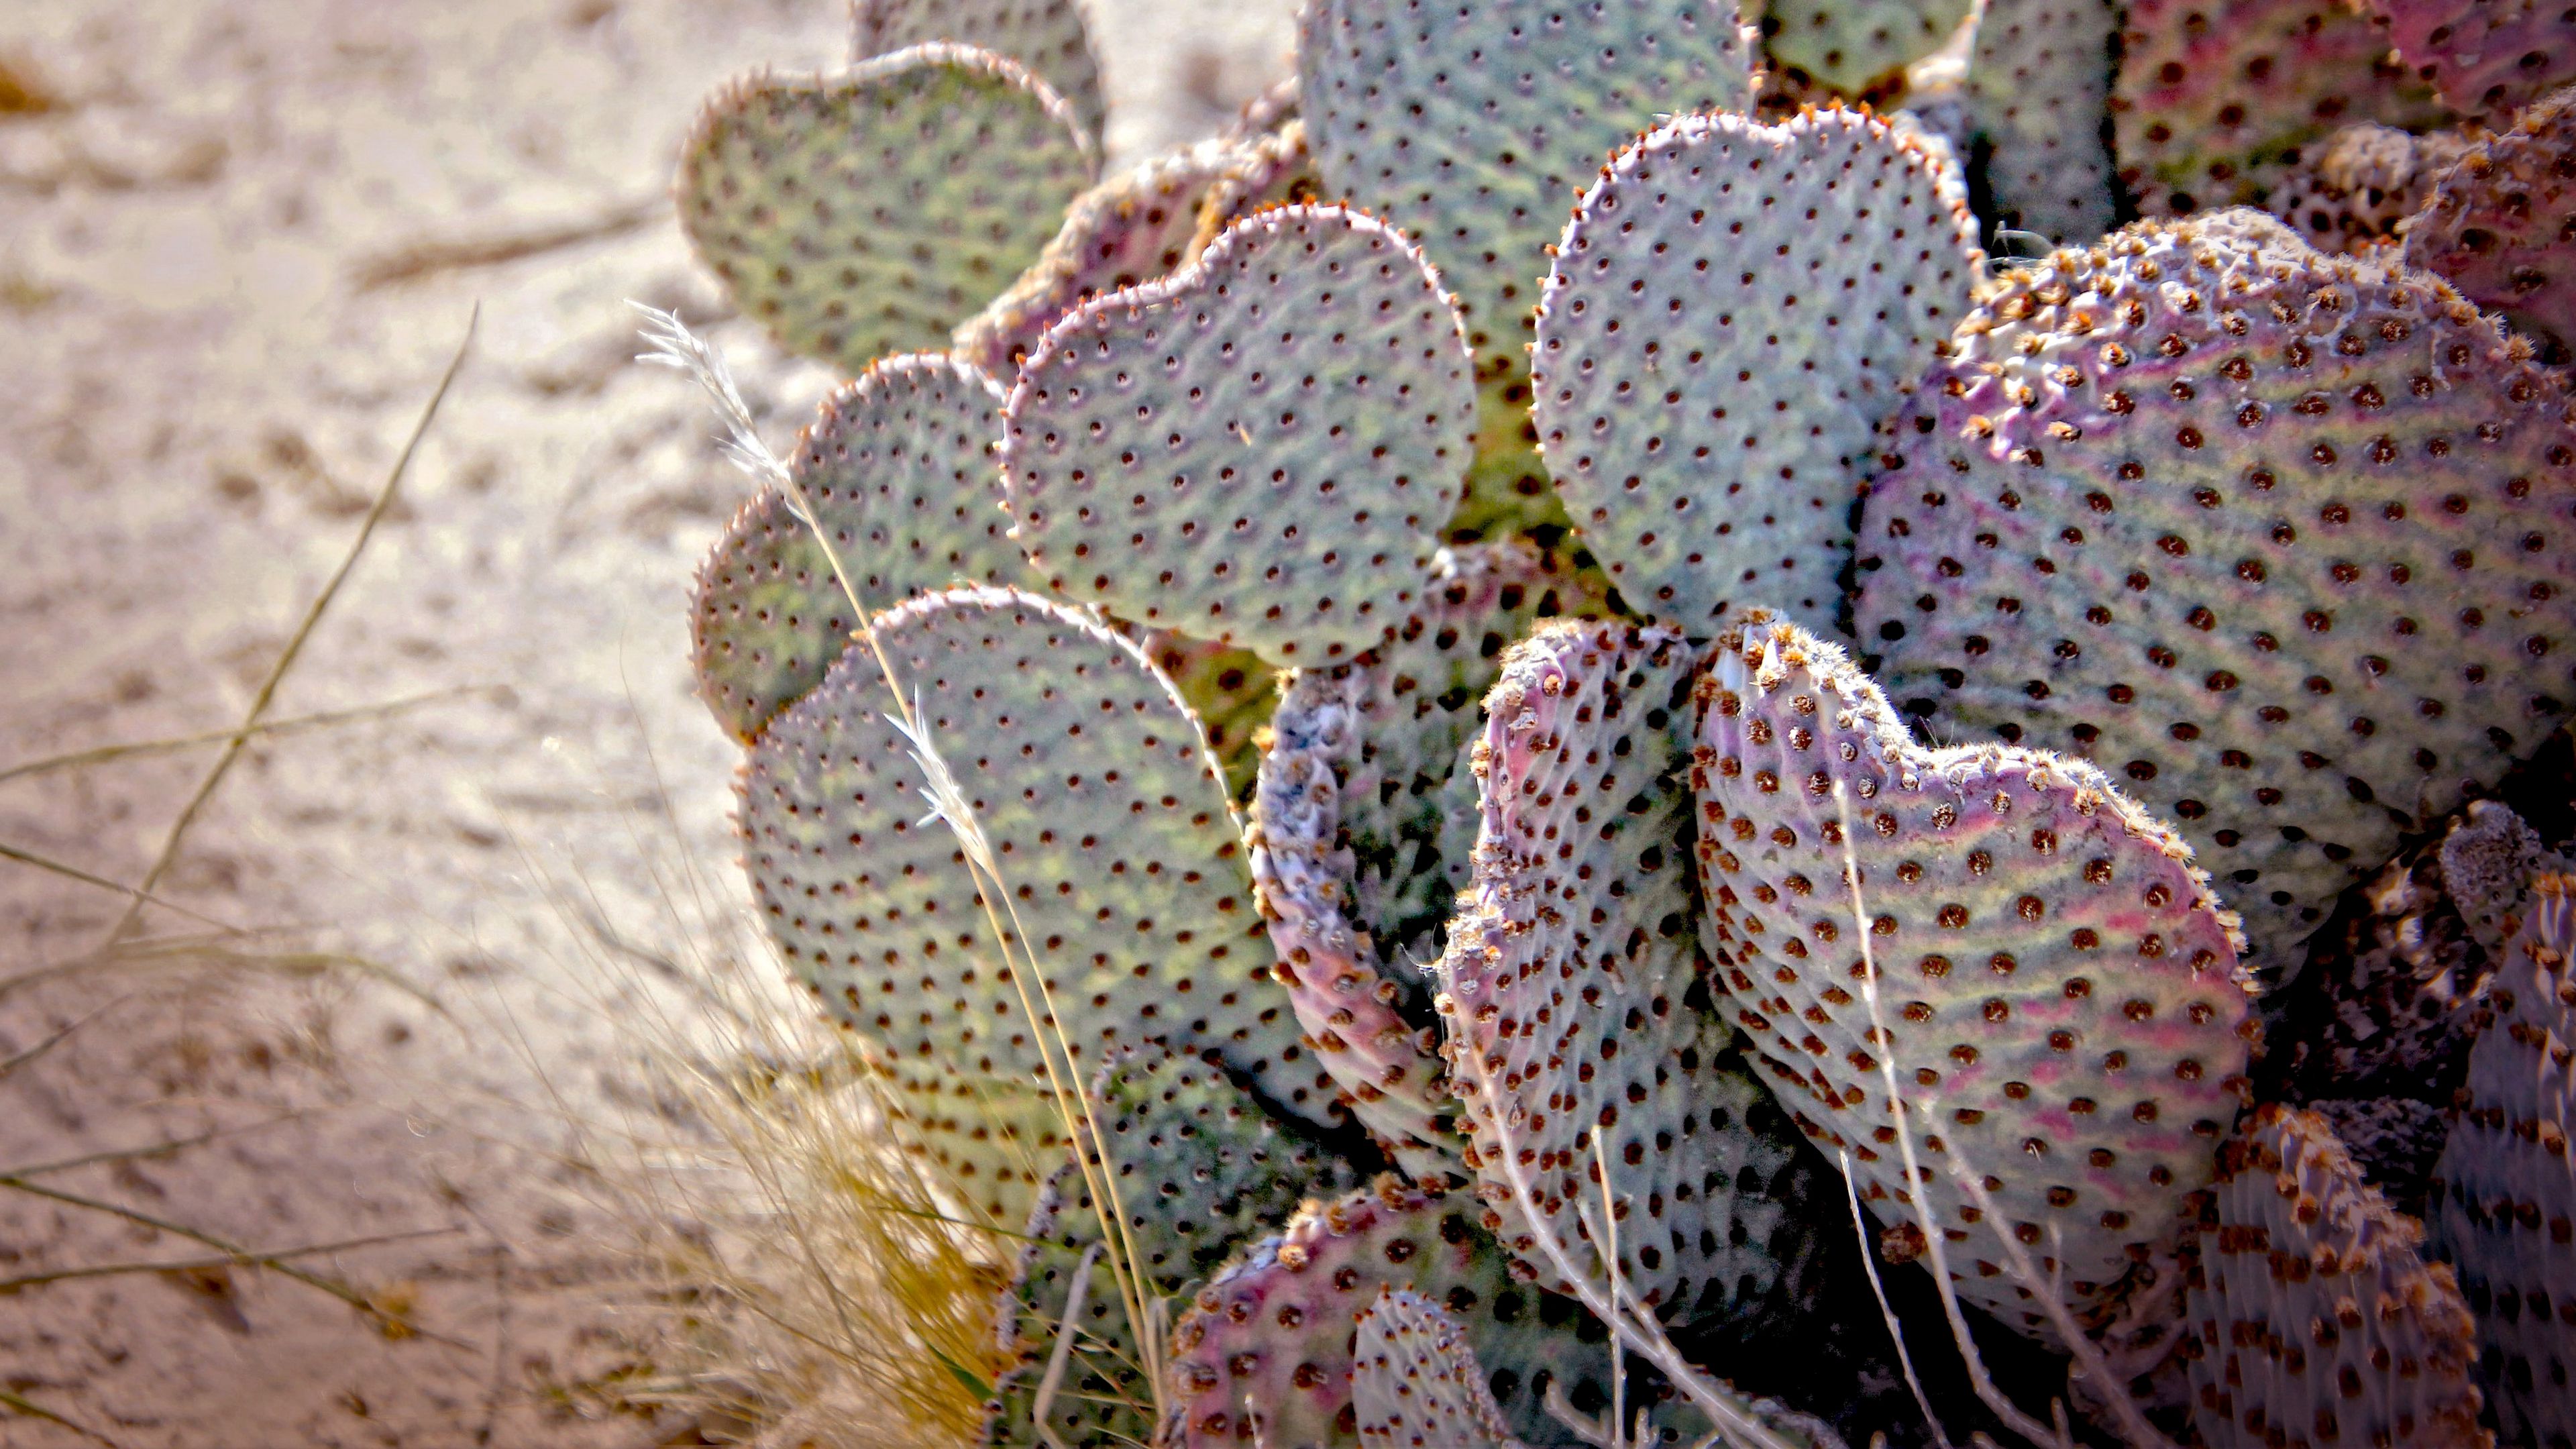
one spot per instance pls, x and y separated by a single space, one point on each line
1762 689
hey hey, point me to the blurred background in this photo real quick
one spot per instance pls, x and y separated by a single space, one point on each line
291 1152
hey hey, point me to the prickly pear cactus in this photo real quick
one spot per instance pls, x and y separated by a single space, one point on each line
1364 822
870 210
1259 450
1471 128
2487 58
2311 1311
1579 1032
1198 1167
1734 311
2038 85
1416 1383
2505 1190
2500 224
899 473
1266 1349
2488 858
1047 36
2214 102
2351 191
2057 987
2276 538
1101 814
1270 168
1857 47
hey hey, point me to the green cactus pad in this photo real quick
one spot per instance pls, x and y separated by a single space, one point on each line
2500 224
1354 848
1105 820
870 210
1129 229
2038 89
1272 1334
1856 46
1200 1170
2504 1189
1473 128
899 471
1230 690
1046 36
2213 101
1416 1383
1734 311
2351 191
1259 450
2281 539
2309 1311
2059 990
1573 985
989 1144
2488 58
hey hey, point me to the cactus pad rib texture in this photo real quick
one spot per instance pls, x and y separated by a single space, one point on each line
2310 1315
1734 310
1200 1169
870 210
1856 45
1272 1334
2500 224
1574 999
2505 1187
1102 815
2488 58
1416 1384
2282 539
1046 36
2214 100
899 472
1364 822
1473 128
1259 450
2039 80
2058 989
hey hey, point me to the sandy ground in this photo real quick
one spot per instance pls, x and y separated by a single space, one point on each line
235 254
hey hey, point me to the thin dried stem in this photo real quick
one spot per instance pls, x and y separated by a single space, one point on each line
323 719
138 896
264 1258
1878 1290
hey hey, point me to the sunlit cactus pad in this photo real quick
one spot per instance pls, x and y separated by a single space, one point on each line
1046 36
2500 223
899 473
2039 79
1735 310
872 209
2057 990
1099 812
2310 1309
2280 540
1472 128
2487 57
1855 46
1260 450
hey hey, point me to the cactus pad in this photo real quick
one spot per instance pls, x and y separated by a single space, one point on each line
2388 998
1857 46
2309 1311
1272 168
1272 1334
1573 988
2213 101
1230 690
2059 989
1129 229
2505 1188
1357 849
1259 450
1103 816
2488 58
1472 128
1416 1384
1734 310
2350 191
870 210
1199 1169
1046 36
2488 859
2038 88
899 471
2501 222
2281 538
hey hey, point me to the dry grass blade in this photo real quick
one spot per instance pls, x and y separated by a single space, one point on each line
266 1258
286 657
140 749
150 1150
33 1053
139 895
1887 1311
411 264
20 1404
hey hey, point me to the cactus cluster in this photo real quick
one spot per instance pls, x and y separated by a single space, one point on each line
1480 750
